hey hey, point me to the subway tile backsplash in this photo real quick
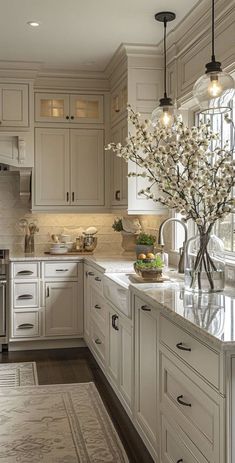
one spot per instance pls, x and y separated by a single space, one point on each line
12 209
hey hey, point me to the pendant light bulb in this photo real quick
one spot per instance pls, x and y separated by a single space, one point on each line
164 113
216 88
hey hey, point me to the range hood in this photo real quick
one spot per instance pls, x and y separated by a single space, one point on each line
20 175
15 160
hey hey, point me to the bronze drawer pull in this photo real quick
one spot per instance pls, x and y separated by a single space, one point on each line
181 347
114 318
25 296
97 279
90 274
25 272
181 402
62 270
25 326
97 306
98 341
145 308
180 460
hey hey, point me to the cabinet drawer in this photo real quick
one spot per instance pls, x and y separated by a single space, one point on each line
193 409
60 269
26 294
173 448
96 279
25 324
26 270
98 341
193 352
98 309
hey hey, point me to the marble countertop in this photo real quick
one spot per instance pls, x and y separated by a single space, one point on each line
212 316
112 263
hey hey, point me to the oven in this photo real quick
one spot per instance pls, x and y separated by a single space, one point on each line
4 278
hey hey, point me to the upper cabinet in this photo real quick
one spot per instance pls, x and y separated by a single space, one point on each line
14 105
69 168
118 101
73 109
119 167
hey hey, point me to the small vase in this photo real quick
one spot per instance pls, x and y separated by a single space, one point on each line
204 264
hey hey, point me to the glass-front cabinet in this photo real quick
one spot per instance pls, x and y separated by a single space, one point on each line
68 108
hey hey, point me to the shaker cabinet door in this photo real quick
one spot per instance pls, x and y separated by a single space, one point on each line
14 105
52 167
119 168
61 309
87 167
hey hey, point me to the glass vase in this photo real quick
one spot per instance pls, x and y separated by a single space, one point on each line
204 264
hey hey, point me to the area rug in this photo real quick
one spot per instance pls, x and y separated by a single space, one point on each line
18 374
57 424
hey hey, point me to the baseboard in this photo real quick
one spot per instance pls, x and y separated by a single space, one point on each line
47 344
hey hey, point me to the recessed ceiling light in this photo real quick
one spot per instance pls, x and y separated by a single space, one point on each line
33 23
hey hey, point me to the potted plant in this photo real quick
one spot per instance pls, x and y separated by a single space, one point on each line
145 244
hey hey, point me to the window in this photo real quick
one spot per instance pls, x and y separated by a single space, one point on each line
226 228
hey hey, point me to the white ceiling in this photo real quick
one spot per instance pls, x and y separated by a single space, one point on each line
80 34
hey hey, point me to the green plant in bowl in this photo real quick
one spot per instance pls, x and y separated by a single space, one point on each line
146 239
150 270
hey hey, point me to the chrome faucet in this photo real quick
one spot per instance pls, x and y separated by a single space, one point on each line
182 249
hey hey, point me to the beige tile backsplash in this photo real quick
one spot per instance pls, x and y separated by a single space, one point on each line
12 209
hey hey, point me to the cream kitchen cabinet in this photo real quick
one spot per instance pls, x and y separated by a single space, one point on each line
14 105
73 109
118 101
120 357
146 374
119 167
69 168
61 310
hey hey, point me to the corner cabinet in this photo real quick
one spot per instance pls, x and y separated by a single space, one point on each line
59 107
69 167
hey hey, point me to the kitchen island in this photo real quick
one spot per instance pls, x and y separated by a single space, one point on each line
169 355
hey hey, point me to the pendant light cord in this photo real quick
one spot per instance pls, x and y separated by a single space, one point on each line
213 31
165 24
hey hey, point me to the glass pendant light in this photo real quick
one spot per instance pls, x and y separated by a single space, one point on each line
215 89
164 113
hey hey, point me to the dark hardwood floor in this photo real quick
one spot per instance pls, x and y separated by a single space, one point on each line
77 365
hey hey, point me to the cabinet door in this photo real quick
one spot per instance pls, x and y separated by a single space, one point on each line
14 105
88 273
113 346
52 160
51 107
86 108
61 309
146 370
87 167
119 101
119 167
126 361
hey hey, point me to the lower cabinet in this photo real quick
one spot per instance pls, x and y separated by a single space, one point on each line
120 355
146 364
46 300
61 311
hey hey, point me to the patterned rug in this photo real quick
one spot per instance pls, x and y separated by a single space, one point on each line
18 374
57 424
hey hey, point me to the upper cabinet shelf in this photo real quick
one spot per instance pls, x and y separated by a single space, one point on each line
73 109
14 105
